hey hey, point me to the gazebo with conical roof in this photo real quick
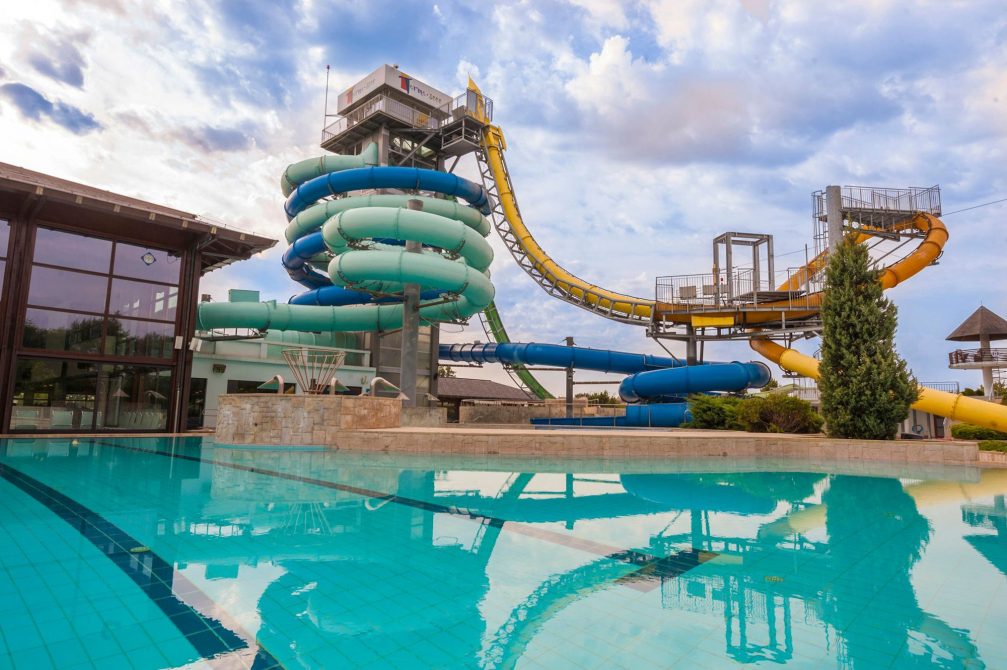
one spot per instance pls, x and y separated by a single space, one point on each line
983 326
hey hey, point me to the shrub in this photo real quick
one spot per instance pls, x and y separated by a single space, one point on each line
966 431
993 445
777 414
713 411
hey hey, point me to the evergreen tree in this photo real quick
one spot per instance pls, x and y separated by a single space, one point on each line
866 389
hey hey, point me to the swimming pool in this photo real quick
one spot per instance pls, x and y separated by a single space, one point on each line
173 553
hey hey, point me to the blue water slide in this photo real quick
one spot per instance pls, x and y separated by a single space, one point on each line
652 380
364 178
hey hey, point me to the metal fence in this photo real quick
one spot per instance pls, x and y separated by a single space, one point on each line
947 387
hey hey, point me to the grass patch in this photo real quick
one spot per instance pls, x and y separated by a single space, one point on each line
993 445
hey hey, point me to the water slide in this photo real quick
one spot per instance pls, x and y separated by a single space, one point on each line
656 385
359 240
629 309
497 333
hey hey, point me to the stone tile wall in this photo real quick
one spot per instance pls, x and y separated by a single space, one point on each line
271 418
653 444
522 414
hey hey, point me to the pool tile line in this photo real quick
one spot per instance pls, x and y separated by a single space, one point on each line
145 568
649 564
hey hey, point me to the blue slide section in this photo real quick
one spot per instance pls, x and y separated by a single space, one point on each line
655 388
360 179
297 256
323 293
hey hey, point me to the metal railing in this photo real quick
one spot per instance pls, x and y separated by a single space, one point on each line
382 104
872 207
872 198
981 355
467 105
740 290
947 387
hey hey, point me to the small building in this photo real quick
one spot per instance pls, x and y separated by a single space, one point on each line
242 365
982 326
451 391
98 295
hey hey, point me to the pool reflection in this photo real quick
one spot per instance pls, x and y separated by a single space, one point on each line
349 561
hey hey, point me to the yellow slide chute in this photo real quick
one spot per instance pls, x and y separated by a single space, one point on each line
627 308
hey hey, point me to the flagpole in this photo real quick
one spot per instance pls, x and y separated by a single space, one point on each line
325 113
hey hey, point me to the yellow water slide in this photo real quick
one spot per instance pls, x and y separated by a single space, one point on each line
930 493
631 309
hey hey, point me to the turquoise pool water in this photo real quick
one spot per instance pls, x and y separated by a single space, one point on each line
161 553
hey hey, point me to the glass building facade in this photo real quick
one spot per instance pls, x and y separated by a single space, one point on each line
97 305
97 342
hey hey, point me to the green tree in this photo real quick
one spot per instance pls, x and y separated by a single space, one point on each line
866 389
445 372
600 398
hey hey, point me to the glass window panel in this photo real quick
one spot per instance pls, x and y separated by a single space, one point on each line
62 331
127 337
69 290
197 402
58 247
146 301
4 237
54 395
3 266
144 263
133 398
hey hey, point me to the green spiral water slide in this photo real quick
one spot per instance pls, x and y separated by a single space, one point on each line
358 240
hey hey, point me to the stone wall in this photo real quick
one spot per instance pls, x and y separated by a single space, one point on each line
484 412
671 443
424 416
271 418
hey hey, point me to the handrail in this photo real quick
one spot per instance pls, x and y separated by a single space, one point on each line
980 355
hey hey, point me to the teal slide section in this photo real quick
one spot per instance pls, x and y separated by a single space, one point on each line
359 241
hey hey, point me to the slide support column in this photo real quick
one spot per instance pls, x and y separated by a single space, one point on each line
834 216
569 385
411 325
690 346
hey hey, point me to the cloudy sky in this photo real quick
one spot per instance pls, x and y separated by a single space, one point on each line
637 131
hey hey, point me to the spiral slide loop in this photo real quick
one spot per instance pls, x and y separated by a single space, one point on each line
359 241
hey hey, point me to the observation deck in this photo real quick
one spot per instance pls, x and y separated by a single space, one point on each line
433 122
977 359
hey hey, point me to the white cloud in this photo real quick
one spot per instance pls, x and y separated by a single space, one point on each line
637 131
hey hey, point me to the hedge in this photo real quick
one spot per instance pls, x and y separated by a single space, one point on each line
966 431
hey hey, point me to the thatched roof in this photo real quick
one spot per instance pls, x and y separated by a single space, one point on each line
982 322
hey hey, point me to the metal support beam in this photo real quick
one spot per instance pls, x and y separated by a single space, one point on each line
690 346
569 385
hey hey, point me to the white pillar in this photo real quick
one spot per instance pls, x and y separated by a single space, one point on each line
834 215
984 350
